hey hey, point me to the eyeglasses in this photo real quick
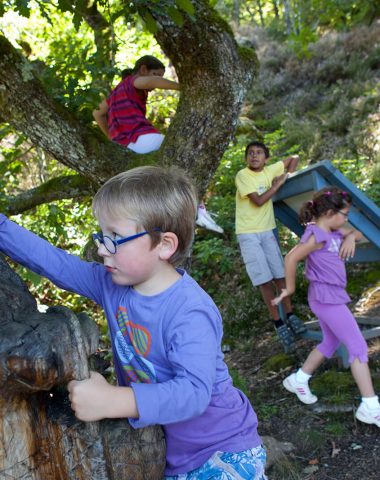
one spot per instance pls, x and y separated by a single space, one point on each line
343 213
111 244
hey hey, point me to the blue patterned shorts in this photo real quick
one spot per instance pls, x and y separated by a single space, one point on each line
246 465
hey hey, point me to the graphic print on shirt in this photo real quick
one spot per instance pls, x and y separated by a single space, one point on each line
132 343
334 246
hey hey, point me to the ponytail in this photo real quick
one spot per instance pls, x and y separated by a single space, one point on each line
126 72
329 198
307 214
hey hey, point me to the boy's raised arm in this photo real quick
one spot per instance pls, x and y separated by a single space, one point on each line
260 199
65 270
291 163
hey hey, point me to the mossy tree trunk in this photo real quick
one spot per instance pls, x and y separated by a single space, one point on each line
214 73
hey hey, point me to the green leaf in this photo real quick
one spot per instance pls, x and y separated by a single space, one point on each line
32 277
186 6
22 7
77 20
176 16
150 23
65 6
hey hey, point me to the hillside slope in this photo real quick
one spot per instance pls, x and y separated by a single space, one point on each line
325 105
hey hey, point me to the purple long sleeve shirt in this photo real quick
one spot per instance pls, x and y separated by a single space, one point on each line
166 347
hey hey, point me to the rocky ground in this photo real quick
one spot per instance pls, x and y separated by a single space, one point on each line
328 443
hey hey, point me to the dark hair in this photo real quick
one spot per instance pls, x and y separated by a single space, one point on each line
257 144
329 198
151 63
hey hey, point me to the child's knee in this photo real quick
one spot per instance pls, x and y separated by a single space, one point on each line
358 351
328 347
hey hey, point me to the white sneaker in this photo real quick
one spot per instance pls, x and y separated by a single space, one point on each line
302 390
368 415
204 220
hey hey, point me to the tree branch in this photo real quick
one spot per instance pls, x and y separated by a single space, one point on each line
29 109
68 186
214 73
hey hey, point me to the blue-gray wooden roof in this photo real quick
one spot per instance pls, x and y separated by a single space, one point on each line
364 213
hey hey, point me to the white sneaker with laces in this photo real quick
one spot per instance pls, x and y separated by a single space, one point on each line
302 390
205 220
368 415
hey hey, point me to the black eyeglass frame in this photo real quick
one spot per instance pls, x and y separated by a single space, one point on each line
343 213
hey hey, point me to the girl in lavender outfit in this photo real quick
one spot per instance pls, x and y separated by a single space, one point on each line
326 244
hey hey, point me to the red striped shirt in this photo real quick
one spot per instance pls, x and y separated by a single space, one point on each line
126 113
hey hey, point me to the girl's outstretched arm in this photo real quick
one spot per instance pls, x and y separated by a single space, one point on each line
150 82
298 253
351 236
100 115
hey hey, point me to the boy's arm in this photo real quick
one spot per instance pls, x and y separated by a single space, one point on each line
291 163
94 399
152 82
192 352
298 253
192 345
100 116
64 270
351 236
259 200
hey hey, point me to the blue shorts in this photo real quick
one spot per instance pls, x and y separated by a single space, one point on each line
246 465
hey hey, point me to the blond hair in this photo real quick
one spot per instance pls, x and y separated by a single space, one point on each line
154 197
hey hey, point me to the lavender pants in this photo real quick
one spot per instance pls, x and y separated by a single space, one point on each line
338 325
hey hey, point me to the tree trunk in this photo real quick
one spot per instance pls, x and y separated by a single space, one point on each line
40 439
275 9
289 17
214 73
260 8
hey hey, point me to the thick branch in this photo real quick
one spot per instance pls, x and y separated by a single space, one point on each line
28 108
68 186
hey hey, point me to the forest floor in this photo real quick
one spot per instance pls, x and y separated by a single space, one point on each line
328 442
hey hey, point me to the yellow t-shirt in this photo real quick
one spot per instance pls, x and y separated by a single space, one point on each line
250 218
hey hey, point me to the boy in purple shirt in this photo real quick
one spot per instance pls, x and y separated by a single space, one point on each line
166 331
325 244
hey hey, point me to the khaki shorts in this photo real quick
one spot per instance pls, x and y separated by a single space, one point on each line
262 256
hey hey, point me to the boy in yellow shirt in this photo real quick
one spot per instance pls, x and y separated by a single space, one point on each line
256 184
